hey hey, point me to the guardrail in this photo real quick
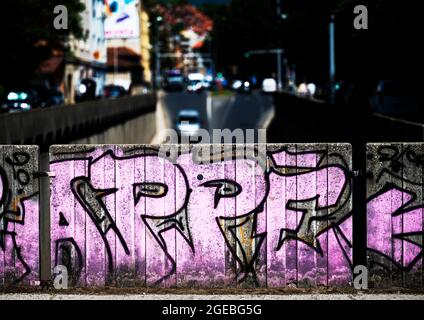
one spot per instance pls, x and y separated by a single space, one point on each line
66 123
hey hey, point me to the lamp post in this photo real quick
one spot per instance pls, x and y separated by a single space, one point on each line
332 61
157 68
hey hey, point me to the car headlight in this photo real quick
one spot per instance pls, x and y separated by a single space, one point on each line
82 88
12 96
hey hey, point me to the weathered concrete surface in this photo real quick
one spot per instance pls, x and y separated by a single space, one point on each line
127 215
19 215
66 123
395 214
134 131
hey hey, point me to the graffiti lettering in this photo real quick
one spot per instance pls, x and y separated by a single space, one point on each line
185 222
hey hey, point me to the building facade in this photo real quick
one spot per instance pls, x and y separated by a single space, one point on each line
88 56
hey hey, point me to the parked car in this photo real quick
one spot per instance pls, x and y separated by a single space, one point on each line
48 97
22 100
396 97
114 91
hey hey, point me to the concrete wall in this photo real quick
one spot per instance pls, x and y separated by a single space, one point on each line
19 215
68 123
130 215
395 214
123 215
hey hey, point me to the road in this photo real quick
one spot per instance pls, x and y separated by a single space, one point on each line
231 111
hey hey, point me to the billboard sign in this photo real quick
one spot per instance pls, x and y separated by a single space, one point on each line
122 19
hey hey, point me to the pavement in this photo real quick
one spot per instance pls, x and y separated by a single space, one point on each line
160 297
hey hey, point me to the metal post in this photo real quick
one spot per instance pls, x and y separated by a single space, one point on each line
280 69
279 8
157 54
157 72
115 64
332 61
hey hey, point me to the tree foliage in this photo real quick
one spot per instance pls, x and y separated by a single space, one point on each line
389 49
29 37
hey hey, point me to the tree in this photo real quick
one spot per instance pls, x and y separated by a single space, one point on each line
28 36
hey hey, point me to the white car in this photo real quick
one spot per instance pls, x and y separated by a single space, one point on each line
269 85
188 122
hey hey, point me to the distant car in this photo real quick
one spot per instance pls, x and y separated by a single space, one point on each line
269 85
396 97
241 86
114 91
236 85
22 100
188 122
194 86
174 83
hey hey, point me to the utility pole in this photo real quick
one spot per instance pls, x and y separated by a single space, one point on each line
157 72
279 54
332 61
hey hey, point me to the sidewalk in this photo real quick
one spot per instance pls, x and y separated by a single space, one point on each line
158 297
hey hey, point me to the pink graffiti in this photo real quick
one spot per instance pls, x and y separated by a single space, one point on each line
393 232
142 219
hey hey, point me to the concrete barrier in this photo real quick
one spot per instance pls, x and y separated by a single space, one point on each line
129 215
19 215
395 214
67 123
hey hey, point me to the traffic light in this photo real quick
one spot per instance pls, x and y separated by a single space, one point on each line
247 55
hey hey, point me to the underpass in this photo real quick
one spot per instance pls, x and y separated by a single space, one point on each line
230 111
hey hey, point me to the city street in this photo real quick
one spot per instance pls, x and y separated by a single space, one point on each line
232 111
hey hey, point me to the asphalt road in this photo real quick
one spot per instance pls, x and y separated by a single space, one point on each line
235 111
